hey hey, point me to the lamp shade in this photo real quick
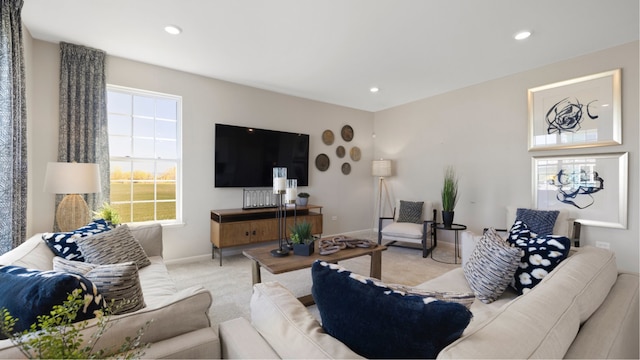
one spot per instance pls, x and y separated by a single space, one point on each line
381 168
72 178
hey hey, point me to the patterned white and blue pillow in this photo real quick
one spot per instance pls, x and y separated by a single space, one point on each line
64 244
541 255
28 293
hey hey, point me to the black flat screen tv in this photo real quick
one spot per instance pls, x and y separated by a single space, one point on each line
245 157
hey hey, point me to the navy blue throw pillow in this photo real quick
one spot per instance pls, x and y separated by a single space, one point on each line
378 322
27 293
64 244
540 222
541 255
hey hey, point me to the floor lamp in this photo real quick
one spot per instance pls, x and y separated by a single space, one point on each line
381 168
72 179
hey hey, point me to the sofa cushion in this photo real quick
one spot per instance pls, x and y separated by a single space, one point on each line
64 244
541 255
377 322
113 247
404 230
118 283
410 211
28 293
491 266
289 328
541 222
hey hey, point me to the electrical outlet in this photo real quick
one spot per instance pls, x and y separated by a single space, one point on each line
602 245
334 218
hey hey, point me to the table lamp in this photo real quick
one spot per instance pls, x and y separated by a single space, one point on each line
72 179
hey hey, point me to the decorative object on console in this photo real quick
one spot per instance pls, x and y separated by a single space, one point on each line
279 189
72 179
541 255
576 113
396 324
303 242
491 266
303 199
449 195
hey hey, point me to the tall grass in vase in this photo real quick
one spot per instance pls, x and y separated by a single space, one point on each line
449 195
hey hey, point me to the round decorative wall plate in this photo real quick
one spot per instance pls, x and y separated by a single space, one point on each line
355 153
327 137
347 133
340 151
346 168
322 162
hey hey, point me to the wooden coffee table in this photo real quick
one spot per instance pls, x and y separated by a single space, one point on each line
262 258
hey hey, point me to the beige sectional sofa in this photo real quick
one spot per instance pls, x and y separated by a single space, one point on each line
584 308
180 326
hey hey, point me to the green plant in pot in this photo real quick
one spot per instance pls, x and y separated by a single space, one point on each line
302 239
109 213
449 195
303 199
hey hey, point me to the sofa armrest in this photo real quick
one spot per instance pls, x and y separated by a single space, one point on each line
235 334
149 236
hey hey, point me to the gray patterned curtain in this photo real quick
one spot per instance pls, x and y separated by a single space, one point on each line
13 128
84 135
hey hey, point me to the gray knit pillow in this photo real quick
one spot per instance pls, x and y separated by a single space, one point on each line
113 247
491 267
118 283
410 211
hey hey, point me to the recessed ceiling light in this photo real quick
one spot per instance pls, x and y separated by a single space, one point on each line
374 89
172 29
522 35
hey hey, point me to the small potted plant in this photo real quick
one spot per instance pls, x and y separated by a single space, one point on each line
303 199
449 196
109 213
302 239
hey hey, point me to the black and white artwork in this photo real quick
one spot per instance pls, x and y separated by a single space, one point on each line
593 188
580 112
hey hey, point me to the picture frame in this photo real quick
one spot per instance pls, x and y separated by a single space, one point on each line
576 113
592 187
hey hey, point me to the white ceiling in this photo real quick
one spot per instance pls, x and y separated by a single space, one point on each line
335 50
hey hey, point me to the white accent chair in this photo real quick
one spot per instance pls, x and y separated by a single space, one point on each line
392 231
565 225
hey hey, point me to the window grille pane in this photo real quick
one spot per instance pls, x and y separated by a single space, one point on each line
143 147
120 125
119 103
167 109
143 106
119 146
166 130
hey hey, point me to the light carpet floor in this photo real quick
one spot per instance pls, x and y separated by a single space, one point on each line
230 284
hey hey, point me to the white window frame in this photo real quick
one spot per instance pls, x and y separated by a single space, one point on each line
178 160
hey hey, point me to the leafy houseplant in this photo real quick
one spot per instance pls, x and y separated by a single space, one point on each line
303 198
449 195
57 336
302 239
109 213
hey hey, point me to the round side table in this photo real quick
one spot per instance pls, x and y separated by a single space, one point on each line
456 228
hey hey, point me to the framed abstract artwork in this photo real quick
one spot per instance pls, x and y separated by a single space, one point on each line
576 113
593 188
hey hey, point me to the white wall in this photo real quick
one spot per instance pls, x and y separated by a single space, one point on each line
205 102
482 131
